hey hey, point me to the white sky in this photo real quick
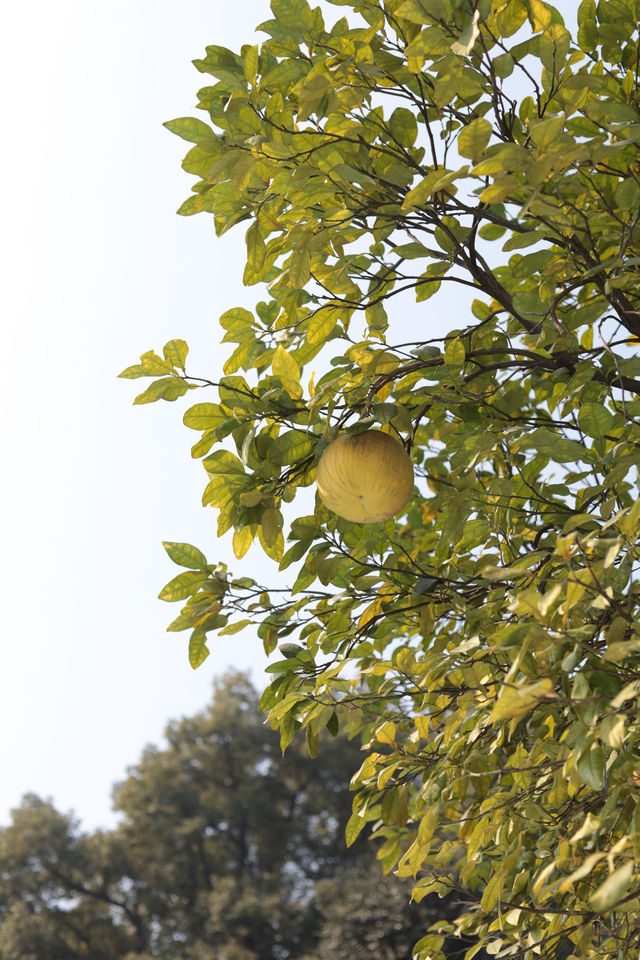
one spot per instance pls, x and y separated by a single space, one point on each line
97 269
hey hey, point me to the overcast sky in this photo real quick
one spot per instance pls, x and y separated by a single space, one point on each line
97 268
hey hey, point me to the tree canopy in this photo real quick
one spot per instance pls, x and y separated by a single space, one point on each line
225 850
484 644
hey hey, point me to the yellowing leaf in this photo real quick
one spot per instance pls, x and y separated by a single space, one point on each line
185 555
190 129
273 550
271 525
285 367
387 732
540 14
492 892
182 586
464 45
321 324
299 267
256 250
474 138
355 825
198 651
513 703
372 611
175 353
169 388
454 355
242 540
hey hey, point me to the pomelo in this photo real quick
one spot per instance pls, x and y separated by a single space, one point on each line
365 477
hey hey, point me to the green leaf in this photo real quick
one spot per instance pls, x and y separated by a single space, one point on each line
169 388
594 419
292 13
312 742
186 555
492 892
627 194
256 253
198 651
182 586
514 702
204 416
218 492
612 731
355 826
383 412
590 766
271 522
428 186
503 65
299 267
235 627
175 353
403 126
502 157
550 445
182 622
376 316
133 372
613 889
532 263
474 138
454 355
425 11
274 550
223 463
154 365
190 129
290 447
238 323
251 61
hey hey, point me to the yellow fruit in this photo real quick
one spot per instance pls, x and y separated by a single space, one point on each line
365 477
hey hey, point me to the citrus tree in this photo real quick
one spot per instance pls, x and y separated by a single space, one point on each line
483 642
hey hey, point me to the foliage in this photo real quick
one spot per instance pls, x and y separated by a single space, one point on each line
53 901
225 851
485 644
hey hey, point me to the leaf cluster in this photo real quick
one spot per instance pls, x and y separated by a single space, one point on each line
484 646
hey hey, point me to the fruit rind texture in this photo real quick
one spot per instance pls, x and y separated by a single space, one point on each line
365 477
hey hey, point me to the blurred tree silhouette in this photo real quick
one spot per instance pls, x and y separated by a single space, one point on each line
225 851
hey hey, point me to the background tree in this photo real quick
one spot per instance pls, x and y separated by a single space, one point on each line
225 851
490 634
54 904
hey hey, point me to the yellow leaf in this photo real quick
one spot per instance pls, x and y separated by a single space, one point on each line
242 540
387 732
321 324
284 366
374 608
273 550
540 15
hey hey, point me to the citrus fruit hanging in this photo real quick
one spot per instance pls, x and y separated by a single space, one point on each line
365 477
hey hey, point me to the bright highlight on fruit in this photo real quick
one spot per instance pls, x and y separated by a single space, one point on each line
365 477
